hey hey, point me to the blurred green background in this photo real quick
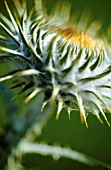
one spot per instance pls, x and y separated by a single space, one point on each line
94 141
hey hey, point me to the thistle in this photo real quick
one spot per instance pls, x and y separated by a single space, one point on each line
69 64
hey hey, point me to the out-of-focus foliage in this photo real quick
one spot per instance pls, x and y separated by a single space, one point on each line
43 128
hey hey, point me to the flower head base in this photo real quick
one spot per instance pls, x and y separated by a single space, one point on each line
68 65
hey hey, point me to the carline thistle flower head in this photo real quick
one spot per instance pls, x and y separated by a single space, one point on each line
69 64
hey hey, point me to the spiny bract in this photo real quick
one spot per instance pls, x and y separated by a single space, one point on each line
65 62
